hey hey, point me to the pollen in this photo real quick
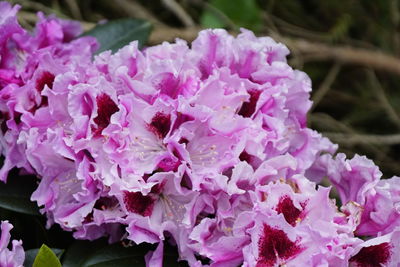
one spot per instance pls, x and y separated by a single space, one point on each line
173 210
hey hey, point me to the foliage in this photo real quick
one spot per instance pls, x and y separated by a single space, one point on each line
243 13
15 197
118 33
46 257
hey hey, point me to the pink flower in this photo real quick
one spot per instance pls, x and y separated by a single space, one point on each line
295 224
358 183
14 257
377 217
354 179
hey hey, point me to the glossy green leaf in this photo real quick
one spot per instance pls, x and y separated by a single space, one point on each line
30 255
211 20
16 193
100 254
77 253
46 258
117 33
243 13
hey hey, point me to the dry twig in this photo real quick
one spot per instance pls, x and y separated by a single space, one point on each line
181 13
347 55
382 98
165 33
355 139
134 9
74 8
326 122
326 84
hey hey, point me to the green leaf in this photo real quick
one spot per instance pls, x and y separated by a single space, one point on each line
77 253
210 20
30 255
46 258
243 13
16 193
115 255
100 254
117 33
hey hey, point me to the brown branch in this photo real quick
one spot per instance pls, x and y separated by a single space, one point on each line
36 6
325 122
179 12
355 139
326 85
169 34
74 8
380 93
133 9
346 55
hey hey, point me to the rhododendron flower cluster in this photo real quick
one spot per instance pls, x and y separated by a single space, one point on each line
204 146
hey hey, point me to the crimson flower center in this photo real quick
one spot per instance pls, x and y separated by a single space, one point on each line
249 107
274 244
105 108
136 202
160 124
289 211
46 78
372 256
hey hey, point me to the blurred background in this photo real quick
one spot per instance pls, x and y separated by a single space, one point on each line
349 48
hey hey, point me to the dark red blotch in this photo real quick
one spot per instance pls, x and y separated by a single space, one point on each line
244 156
372 256
274 244
249 107
46 78
137 203
160 124
289 211
105 108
